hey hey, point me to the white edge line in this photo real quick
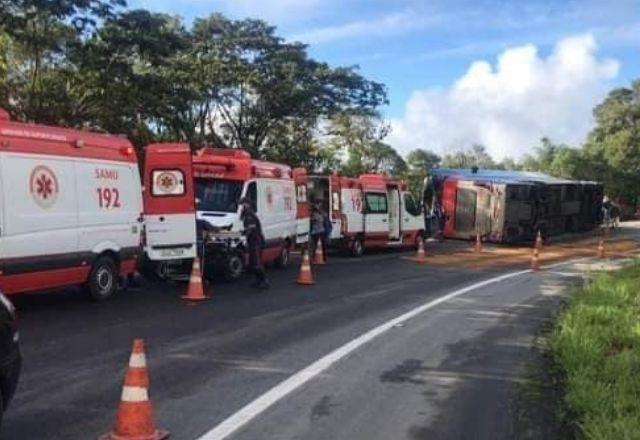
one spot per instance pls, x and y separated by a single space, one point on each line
259 405
250 411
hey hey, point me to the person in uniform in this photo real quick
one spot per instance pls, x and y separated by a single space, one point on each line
255 242
317 226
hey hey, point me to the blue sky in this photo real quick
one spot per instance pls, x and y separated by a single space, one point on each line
425 51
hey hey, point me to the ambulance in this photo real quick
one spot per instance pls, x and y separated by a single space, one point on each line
371 211
279 197
72 208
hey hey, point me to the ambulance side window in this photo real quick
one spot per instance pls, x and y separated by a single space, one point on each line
167 183
252 194
410 204
376 203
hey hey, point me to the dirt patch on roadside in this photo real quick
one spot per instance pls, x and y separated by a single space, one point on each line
505 256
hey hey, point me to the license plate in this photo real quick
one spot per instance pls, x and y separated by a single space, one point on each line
172 252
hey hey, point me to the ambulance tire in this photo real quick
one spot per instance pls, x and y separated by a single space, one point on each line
103 279
357 247
233 267
282 262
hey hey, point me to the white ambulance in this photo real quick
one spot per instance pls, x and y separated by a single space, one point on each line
371 211
222 177
72 212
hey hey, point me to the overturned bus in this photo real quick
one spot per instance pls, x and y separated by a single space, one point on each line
510 206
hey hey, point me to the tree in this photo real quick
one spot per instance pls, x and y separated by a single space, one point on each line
247 80
419 163
476 156
422 160
226 83
41 34
359 137
613 146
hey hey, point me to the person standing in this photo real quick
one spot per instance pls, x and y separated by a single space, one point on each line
328 228
317 226
255 242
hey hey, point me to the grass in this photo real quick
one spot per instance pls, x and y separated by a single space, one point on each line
596 343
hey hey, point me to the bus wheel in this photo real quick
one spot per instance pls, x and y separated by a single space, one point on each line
233 267
357 247
283 259
103 279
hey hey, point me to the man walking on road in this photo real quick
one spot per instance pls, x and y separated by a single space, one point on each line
255 242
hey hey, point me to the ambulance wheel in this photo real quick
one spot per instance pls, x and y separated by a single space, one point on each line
161 270
103 279
233 267
357 247
283 259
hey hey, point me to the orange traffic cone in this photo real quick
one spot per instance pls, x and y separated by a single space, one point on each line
318 257
539 240
195 291
478 247
420 254
535 260
305 277
134 419
601 252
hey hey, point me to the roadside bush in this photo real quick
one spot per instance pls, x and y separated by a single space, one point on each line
596 342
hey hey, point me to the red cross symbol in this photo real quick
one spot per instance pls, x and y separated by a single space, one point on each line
167 181
44 186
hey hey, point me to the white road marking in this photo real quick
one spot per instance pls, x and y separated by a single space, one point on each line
253 409
259 405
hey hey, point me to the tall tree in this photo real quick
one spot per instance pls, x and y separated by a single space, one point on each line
41 33
476 156
613 146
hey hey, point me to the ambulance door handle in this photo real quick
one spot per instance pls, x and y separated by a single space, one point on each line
161 219
384 220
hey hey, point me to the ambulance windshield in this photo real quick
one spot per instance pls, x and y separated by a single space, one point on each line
218 195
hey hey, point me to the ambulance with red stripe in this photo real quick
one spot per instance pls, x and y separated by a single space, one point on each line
371 211
279 197
72 209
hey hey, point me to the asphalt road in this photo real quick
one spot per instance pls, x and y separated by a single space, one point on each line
448 372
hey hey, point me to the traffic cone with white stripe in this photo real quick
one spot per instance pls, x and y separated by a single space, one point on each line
318 258
134 419
601 252
305 277
478 247
535 260
421 255
195 291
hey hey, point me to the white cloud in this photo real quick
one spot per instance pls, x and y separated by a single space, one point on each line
390 24
509 106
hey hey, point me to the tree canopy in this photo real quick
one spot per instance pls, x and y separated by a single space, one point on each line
236 83
221 82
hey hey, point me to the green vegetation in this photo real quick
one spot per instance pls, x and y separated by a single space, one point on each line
236 83
597 345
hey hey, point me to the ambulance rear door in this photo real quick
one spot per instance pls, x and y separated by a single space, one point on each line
301 180
336 213
169 202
